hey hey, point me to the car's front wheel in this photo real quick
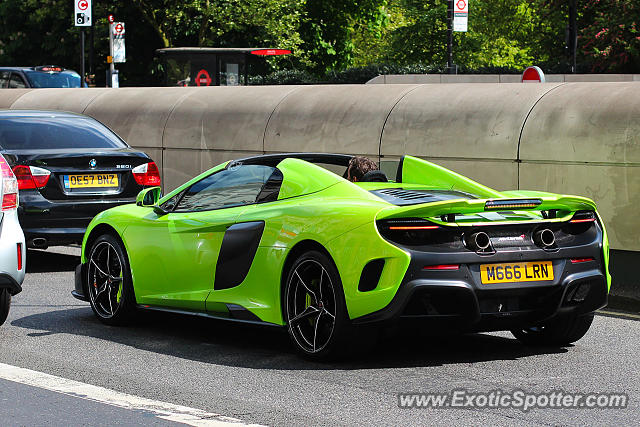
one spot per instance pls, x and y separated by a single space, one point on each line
5 303
109 281
561 331
314 307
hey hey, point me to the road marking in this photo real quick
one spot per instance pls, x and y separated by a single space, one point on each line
166 411
619 314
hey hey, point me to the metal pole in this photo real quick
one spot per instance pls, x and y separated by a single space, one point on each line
82 73
91 51
573 34
450 69
111 67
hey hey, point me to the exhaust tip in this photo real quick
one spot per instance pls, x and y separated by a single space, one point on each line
39 243
544 238
478 241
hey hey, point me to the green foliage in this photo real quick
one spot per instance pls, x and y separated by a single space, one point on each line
284 77
37 30
611 36
329 27
332 40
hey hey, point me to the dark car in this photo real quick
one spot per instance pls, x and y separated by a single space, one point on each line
38 77
69 168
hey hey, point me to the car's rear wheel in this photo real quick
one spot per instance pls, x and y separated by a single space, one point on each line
5 303
315 310
109 281
561 331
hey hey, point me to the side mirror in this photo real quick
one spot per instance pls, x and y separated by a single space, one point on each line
149 196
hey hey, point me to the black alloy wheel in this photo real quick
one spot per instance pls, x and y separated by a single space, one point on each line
109 281
314 309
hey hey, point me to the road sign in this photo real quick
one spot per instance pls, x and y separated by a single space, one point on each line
203 78
533 75
460 15
82 13
117 32
118 29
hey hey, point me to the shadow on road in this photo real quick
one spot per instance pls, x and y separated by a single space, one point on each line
48 262
225 343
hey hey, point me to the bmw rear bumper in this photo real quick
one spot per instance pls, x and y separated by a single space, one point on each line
46 223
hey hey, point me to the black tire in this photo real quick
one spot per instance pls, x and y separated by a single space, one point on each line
108 280
559 332
5 303
314 308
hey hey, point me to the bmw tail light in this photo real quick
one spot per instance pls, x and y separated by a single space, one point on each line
9 186
31 177
147 174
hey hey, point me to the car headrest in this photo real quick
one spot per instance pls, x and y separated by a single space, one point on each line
374 176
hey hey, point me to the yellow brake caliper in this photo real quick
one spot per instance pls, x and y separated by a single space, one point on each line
119 294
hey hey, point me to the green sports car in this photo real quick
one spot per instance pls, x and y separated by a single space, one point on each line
284 240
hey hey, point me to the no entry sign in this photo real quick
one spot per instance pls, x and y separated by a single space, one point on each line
533 75
82 13
460 15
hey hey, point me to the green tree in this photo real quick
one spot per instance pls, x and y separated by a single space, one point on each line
610 36
329 27
502 33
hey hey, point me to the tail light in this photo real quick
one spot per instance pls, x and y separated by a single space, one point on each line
580 260
147 174
31 177
582 217
19 253
414 231
9 186
442 267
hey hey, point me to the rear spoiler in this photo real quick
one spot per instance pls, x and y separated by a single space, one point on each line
549 208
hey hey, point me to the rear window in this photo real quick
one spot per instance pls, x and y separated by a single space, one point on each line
44 133
62 79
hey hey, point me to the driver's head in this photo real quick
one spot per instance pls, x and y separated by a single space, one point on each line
358 166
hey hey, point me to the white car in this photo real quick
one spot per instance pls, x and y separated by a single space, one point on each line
12 246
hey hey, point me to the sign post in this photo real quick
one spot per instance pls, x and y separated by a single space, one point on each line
450 66
460 15
82 18
119 53
116 49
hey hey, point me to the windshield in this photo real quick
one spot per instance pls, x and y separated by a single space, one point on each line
39 133
63 79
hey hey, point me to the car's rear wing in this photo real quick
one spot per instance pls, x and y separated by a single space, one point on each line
494 211
418 171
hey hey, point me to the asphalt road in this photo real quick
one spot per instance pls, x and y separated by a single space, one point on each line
251 373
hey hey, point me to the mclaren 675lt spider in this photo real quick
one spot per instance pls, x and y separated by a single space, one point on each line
285 240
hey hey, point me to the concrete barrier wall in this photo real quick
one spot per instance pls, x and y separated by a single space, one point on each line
497 78
578 138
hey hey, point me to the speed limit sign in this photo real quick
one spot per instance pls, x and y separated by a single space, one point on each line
82 13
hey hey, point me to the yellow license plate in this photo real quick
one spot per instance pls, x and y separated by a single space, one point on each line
91 181
516 272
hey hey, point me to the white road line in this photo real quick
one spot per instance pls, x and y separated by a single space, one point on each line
166 411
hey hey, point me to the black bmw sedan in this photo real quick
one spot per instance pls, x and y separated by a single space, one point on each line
69 168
